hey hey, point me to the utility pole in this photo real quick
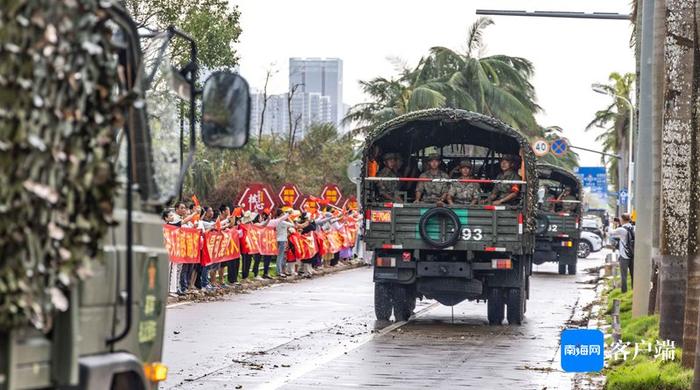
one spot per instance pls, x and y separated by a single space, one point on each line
643 198
643 201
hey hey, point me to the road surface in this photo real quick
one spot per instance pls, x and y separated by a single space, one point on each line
321 333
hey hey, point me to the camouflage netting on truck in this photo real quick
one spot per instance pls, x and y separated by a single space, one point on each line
59 112
482 130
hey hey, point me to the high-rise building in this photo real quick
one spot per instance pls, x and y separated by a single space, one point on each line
276 119
322 76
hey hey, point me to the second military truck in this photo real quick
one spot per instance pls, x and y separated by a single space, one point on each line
558 218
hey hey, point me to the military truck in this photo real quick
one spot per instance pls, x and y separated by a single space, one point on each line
558 218
111 335
457 252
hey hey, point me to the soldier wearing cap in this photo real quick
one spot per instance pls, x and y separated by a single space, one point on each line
506 193
432 192
388 190
464 193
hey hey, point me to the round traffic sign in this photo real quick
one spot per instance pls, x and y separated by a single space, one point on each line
540 147
559 147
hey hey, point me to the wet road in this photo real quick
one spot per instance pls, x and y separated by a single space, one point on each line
320 334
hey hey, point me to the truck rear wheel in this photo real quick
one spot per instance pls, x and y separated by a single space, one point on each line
572 269
494 306
562 269
404 302
516 306
382 301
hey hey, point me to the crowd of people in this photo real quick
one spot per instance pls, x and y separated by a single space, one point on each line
458 192
285 220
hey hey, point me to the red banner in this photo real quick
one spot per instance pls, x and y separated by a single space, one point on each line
335 238
324 246
220 246
304 245
267 237
183 244
250 240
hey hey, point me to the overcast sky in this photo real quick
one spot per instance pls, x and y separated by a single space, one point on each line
568 54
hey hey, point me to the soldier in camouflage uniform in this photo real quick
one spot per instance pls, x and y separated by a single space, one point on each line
506 193
432 192
566 195
388 190
464 193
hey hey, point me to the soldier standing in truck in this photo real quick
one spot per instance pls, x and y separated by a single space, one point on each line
506 193
434 191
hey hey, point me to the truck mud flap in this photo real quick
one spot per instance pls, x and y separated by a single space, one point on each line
98 371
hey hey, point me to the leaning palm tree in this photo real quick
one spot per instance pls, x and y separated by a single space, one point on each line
497 85
615 119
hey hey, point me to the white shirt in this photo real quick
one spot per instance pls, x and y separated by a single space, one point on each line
624 237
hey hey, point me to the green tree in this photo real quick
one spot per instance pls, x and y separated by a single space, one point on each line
496 85
213 24
615 120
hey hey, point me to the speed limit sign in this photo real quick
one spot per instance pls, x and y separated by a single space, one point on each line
540 147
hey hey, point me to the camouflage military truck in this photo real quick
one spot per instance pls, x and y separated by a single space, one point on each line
108 334
558 218
450 251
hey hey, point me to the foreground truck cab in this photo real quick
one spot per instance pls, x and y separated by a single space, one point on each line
108 333
558 218
449 252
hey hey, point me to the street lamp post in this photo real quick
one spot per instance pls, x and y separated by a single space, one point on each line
600 89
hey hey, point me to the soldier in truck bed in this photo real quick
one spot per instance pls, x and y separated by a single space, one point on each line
464 193
432 192
388 190
506 193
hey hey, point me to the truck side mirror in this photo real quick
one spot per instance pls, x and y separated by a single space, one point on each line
225 111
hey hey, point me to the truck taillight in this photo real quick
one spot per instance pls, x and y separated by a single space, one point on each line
567 244
501 263
406 256
155 372
520 223
385 262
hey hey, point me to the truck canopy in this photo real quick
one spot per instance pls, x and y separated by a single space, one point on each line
455 135
560 175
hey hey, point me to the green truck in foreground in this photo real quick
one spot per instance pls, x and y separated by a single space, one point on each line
449 252
106 328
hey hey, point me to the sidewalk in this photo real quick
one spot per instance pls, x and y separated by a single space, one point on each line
253 284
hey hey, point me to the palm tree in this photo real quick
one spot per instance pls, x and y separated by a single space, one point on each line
497 85
615 119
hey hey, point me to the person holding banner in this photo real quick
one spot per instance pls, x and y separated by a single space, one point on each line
231 265
282 225
263 221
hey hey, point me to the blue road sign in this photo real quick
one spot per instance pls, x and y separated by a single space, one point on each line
582 350
559 147
595 179
623 196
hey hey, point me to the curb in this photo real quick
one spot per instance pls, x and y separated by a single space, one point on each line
249 285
